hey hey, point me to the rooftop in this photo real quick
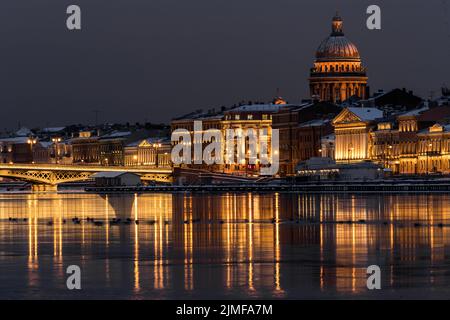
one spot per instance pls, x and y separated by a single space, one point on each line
259 107
366 114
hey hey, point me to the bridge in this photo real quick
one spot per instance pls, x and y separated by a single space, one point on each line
48 176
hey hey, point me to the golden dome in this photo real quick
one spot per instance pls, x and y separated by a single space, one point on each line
337 47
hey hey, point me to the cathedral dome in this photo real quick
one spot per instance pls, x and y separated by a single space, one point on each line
337 47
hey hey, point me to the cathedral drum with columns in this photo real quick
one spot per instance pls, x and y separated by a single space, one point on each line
338 73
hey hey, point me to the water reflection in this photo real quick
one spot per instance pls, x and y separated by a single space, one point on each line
228 245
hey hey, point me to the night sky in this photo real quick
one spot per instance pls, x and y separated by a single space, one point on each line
152 60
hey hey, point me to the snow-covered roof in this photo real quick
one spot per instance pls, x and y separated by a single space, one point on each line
314 123
22 132
15 140
414 112
116 134
366 114
259 107
53 129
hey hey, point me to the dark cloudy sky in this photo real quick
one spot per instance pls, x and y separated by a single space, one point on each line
151 60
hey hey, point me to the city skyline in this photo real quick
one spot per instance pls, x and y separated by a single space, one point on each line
155 58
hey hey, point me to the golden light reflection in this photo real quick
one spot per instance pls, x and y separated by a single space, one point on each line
277 242
250 243
188 247
136 245
342 234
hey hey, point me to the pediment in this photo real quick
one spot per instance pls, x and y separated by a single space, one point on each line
346 116
436 128
145 143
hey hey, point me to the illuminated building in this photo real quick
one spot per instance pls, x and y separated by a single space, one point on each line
301 129
351 128
338 73
148 152
413 142
16 150
257 117
110 149
239 118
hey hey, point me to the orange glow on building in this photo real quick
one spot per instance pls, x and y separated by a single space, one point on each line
338 73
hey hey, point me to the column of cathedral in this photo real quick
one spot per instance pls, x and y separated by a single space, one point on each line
338 91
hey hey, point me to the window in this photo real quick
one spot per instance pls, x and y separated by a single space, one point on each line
237 117
264 117
249 117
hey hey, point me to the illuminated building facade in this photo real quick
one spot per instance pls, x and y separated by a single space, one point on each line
301 129
414 142
15 150
257 117
110 149
352 139
338 73
148 152
239 118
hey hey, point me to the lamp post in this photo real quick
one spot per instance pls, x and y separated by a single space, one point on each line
430 145
32 141
156 146
55 146
388 156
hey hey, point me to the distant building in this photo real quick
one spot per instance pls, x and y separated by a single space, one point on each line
351 128
107 149
16 150
152 152
41 152
301 130
412 142
394 101
256 116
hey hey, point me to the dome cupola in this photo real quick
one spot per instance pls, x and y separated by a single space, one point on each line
338 73
337 46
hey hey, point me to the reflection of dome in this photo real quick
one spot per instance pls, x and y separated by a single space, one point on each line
337 46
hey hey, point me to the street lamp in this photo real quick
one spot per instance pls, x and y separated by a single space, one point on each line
430 145
55 146
388 156
157 146
31 141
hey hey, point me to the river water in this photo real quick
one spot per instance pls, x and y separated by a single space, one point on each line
231 246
